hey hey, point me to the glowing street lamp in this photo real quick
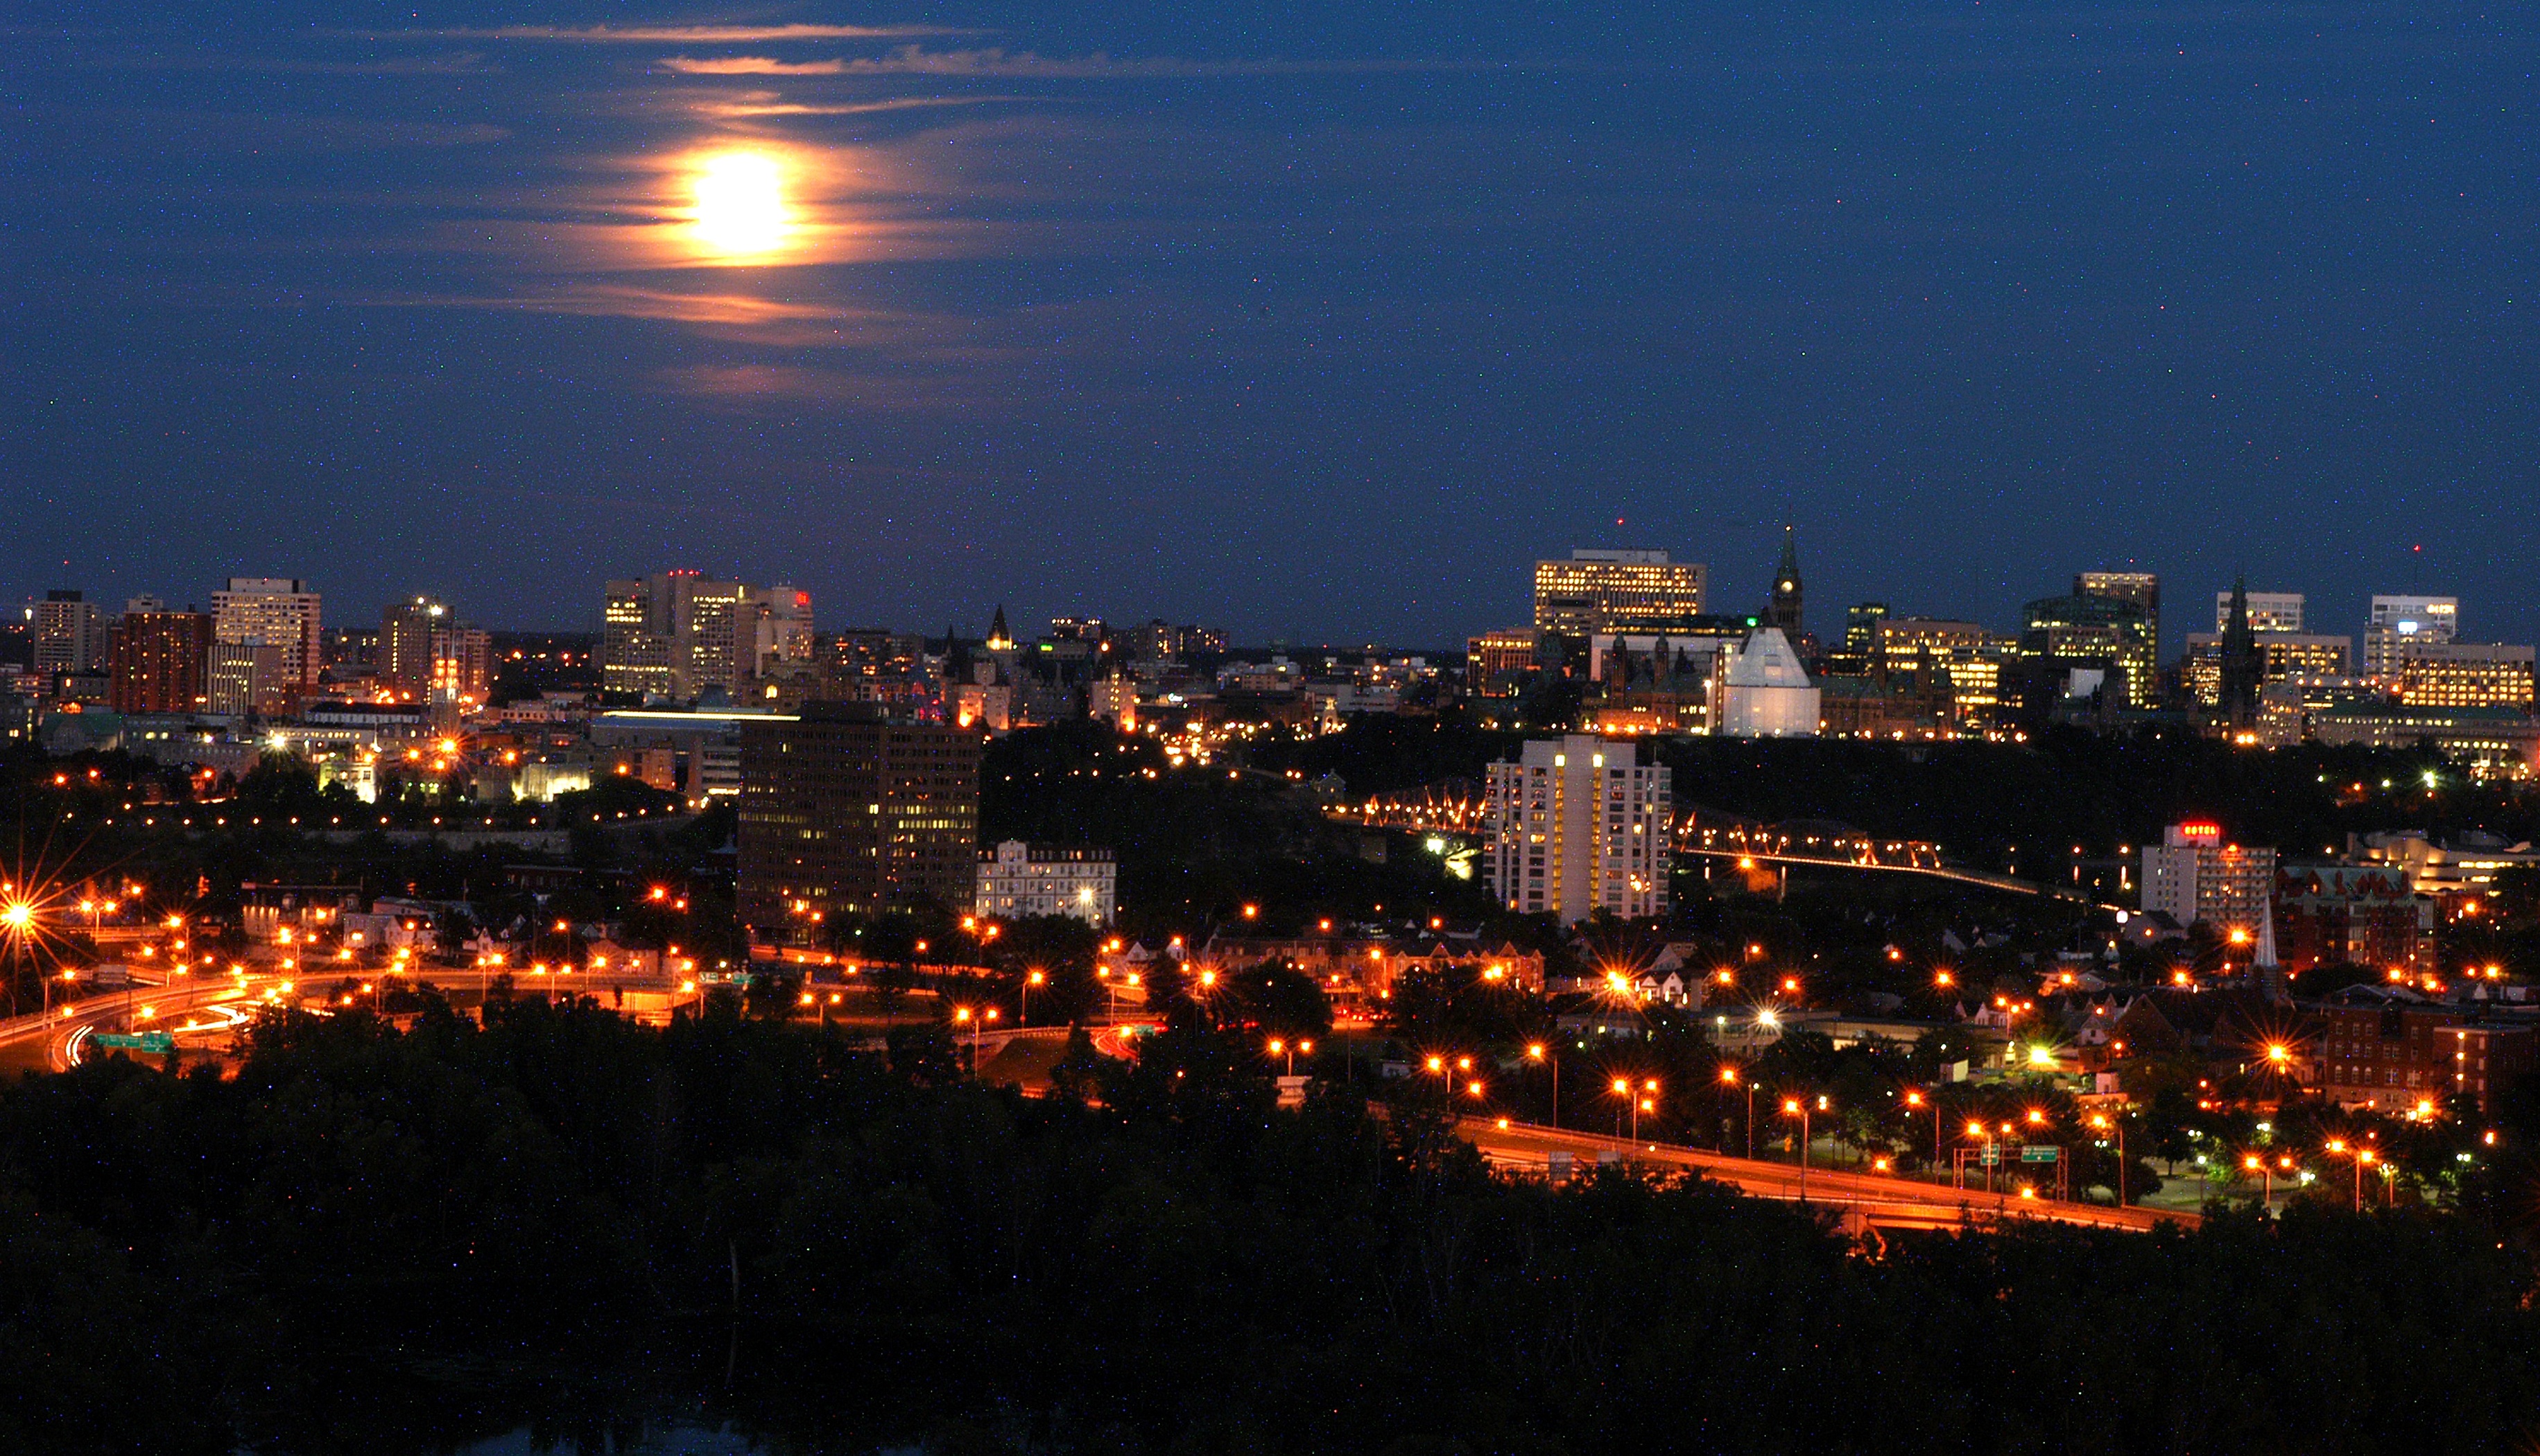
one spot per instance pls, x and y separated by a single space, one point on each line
2106 1124
1539 1052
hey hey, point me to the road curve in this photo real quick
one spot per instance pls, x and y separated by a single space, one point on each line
1881 1201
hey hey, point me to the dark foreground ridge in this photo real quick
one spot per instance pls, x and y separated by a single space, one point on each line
395 1242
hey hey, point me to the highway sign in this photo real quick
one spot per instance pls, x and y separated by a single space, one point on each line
1991 1155
161 1042
2033 1154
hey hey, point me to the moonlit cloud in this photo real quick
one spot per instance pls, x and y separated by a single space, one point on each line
667 34
747 65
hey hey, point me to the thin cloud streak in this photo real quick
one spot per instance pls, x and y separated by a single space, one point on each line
667 35
747 65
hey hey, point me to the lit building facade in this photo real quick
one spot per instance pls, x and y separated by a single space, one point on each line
1629 591
2399 624
1579 825
405 657
2096 630
2140 590
845 810
2281 656
70 636
1495 662
279 612
2460 674
2193 876
160 661
1018 879
2269 611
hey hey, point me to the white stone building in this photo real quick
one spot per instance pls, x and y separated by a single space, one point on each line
1018 879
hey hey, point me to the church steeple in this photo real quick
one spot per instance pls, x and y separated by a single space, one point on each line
999 639
1784 610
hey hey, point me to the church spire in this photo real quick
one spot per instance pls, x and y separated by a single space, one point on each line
999 639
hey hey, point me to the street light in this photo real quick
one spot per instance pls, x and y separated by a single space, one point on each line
1917 1099
2104 1124
2360 1155
1537 1051
1799 1108
1031 980
1623 1090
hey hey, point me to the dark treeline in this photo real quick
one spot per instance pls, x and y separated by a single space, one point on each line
279 1257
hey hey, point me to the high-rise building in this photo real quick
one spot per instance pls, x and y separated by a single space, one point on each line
279 612
1784 607
1860 650
463 665
2192 874
406 645
1616 592
846 810
679 635
70 636
2269 611
2094 630
2400 624
1579 825
2281 656
2142 589
161 661
781 628
245 677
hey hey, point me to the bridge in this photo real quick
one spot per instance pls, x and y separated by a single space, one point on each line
1706 834
1868 1200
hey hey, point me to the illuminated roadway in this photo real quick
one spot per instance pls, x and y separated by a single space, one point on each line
69 1025
1878 1200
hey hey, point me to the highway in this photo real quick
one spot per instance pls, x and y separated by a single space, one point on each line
1871 1199
190 1008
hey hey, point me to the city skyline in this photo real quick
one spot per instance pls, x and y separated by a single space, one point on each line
1322 325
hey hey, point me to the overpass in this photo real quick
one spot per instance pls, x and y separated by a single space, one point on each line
1873 1200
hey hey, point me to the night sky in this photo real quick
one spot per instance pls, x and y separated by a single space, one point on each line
1315 322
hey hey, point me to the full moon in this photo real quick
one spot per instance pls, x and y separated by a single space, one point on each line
741 204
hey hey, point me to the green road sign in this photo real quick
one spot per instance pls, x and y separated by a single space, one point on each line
2036 1154
161 1042
1991 1155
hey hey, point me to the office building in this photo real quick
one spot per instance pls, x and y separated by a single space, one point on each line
2400 624
161 661
780 621
70 635
2095 634
2269 611
2193 876
679 636
2460 674
1497 663
405 656
1765 692
1018 880
247 677
1616 592
2142 590
2281 656
844 811
279 612
1579 825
